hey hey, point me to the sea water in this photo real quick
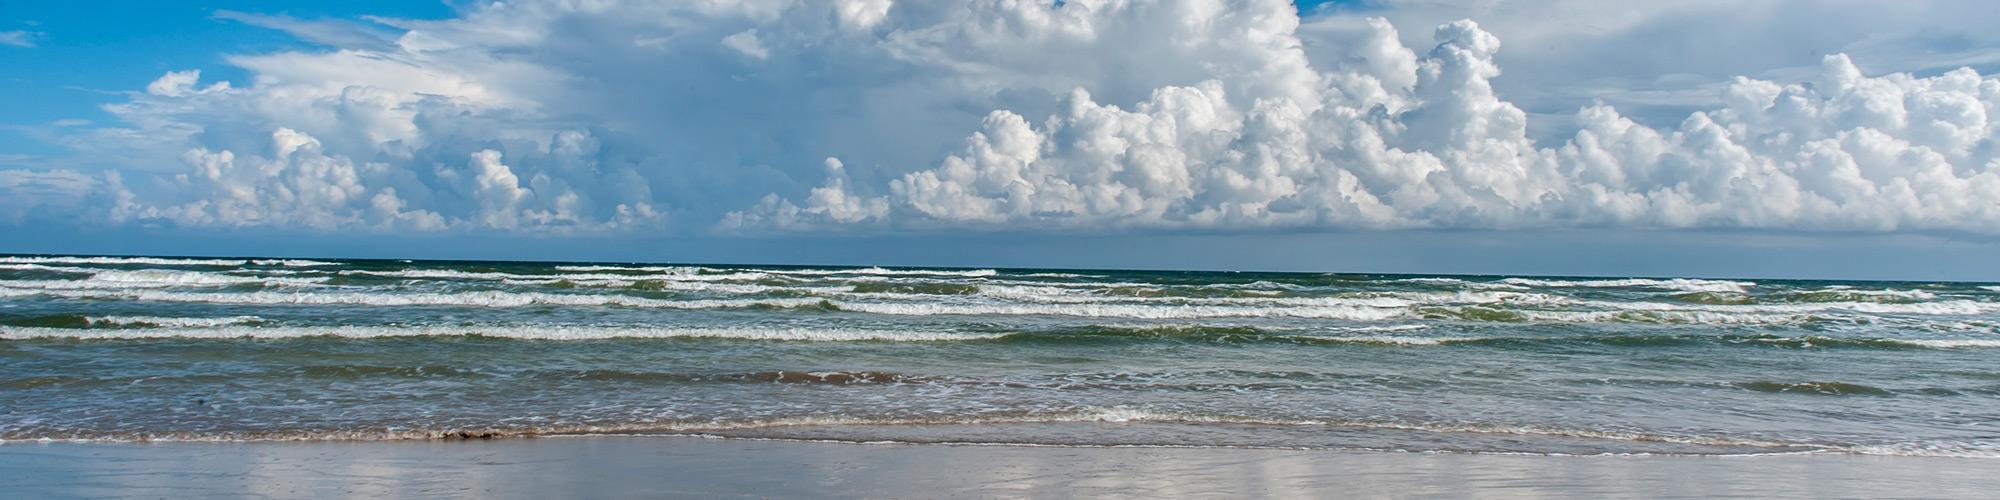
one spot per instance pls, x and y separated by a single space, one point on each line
141 348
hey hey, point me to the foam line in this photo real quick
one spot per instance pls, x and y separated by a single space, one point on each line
526 332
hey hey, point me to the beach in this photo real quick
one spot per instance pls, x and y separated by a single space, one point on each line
181 377
690 467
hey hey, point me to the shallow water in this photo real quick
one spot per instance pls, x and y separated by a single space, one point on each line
115 348
679 467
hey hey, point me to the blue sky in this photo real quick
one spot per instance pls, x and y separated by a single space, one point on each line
1775 139
85 55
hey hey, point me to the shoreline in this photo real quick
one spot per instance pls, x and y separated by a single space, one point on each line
684 466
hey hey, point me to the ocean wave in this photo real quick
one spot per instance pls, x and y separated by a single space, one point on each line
1370 309
156 278
1929 448
1346 312
524 332
1431 281
1059 275
1961 307
877 271
1059 295
600 281
671 274
1469 284
118 261
1951 343
170 322
1682 284
645 269
293 263
523 299
438 274
474 299
1820 388
1850 294
1393 335
45 267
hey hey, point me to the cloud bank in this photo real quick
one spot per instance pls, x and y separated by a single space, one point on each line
609 116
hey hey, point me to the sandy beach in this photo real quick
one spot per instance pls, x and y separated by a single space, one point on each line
686 467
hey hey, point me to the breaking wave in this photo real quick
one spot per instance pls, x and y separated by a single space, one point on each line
234 330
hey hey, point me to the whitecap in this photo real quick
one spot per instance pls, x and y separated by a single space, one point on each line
293 263
154 261
526 332
1682 284
170 322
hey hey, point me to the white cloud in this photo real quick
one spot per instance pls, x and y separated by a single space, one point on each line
300 185
562 116
747 43
181 84
1846 153
1658 61
334 32
19 38
862 14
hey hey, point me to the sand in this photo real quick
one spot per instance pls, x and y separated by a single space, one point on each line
650 467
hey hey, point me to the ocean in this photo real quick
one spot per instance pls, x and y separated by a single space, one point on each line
121 349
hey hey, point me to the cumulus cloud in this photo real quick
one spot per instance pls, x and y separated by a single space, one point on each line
557 116
1659 61
1398 140
299 185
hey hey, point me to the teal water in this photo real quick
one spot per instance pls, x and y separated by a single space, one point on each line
123 348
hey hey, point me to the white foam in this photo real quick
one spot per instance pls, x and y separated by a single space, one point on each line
1057 275
163 277
1431 281
1950 307
152 261
154 278
674 269
877 271
293 263
1364 309
529 332
167 322
1682 284
1947 449
41 267
1385 339
1132 311
475 299
1951 343
1390 328
601 281
1059 295
1666 317
437 274
672 274
1991 288
1912 294
597 283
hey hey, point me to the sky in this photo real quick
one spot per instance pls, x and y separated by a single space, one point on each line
1774 139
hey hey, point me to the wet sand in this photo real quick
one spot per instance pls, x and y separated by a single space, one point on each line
645 467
